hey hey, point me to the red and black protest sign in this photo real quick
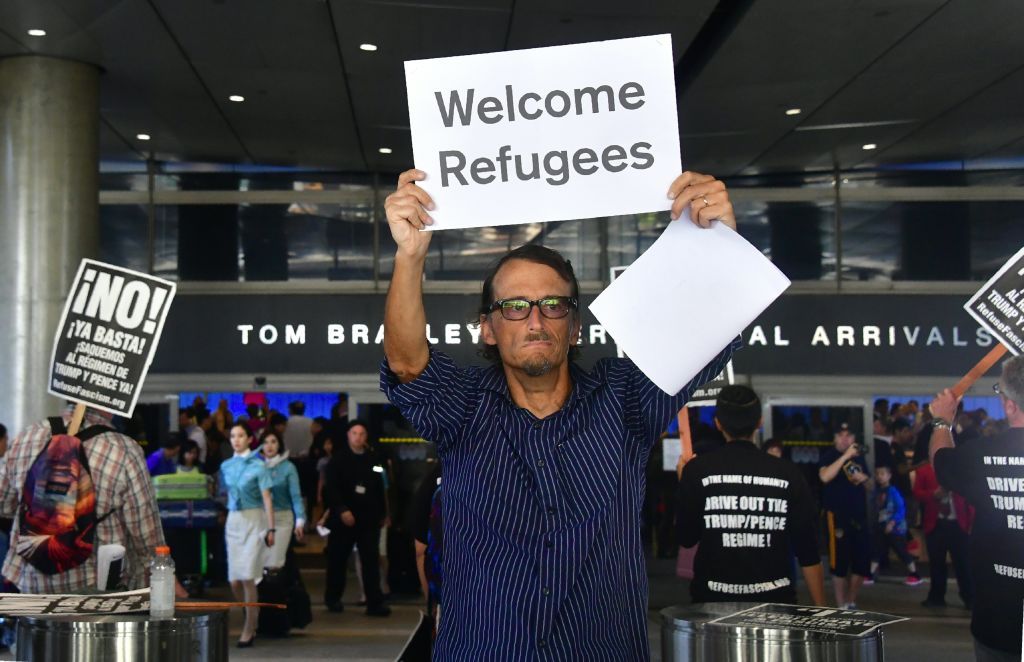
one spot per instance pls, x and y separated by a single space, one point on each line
107 336
999 305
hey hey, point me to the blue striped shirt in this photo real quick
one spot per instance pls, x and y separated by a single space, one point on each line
542 557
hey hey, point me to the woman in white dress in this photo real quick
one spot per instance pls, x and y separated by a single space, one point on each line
250 527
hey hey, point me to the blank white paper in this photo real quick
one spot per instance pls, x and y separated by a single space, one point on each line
685 299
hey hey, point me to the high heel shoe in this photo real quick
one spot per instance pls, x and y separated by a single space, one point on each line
247 644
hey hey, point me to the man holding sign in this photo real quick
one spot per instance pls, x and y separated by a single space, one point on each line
989 473
543 462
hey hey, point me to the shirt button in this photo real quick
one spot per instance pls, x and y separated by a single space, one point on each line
549 543
561 447
546 591
542 643
537 425
540 463
551 510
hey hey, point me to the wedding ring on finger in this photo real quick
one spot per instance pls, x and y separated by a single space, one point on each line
705 199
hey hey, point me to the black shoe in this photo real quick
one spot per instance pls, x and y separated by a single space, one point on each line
336 607
247 644
933 603
378 610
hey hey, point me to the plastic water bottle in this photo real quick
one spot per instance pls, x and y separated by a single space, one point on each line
161 584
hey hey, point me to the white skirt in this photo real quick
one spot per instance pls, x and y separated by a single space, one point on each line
284 522
243 535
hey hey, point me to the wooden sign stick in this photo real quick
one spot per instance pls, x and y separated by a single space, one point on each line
685 438
226 605
980 369
76 419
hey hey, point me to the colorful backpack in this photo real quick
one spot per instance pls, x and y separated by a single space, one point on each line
58 503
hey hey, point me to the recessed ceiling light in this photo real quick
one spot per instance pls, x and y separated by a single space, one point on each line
384 150
793 111
237 98
368 47
143 136
869 146
37 33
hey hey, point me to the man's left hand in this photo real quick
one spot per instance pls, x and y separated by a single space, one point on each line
706 198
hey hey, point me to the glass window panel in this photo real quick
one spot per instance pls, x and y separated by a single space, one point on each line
124 236
798 237
922 241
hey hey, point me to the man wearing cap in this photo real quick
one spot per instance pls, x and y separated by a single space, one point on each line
843 474
747 509
989 473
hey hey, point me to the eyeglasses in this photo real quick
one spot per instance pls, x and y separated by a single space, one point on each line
998 389
516 309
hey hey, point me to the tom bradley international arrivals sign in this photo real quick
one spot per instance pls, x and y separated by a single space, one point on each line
799 334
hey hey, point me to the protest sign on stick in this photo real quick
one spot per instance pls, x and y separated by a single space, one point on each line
999 307
107 337
546 134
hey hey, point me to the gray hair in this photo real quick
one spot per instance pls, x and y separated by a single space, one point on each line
1013 379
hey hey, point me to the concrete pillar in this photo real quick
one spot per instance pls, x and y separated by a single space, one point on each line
49 215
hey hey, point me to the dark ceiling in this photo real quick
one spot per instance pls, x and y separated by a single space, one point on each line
925 80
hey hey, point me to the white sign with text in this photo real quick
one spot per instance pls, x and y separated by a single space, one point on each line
546 134
649 309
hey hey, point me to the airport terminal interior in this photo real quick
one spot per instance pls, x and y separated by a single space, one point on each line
244 151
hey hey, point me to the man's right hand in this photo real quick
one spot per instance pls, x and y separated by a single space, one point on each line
406 211
851 452
348 519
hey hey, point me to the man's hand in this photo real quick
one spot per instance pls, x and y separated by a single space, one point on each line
889 527
705 196
406 211
945 405
851 452
299 533
859 478
348 519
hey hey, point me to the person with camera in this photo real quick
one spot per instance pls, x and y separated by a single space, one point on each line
844 474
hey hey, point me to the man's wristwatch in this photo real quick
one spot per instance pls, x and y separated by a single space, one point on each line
942 423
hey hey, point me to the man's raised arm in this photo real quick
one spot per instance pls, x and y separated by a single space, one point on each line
405 339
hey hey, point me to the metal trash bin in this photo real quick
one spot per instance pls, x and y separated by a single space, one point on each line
687 636
199 636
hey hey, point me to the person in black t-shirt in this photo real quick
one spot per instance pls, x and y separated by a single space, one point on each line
844 474
989 473
354 494
747 510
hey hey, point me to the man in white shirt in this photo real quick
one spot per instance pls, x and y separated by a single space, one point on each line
298 434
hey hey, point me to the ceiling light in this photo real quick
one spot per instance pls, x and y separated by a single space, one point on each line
384 150
237 98
869 146
793 111
37 33
368 47
143 136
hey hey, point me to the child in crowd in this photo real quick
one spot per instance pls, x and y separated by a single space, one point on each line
188 457
891 526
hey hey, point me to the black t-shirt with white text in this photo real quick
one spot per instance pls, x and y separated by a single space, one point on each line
989 473
749 511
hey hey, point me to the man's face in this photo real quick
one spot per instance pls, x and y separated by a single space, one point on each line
184 420
843 440
358 438
536 345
